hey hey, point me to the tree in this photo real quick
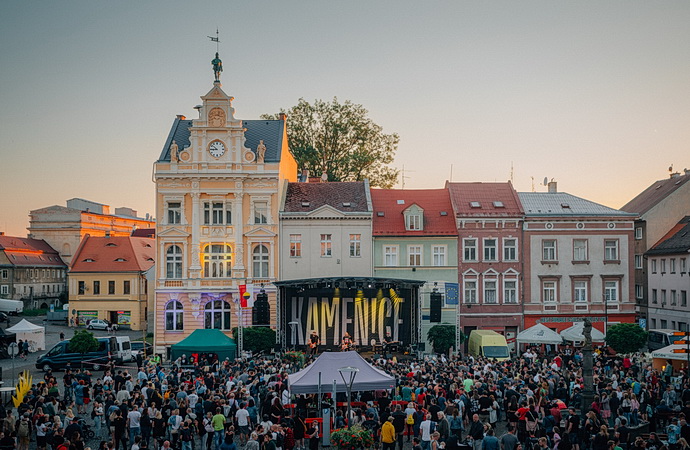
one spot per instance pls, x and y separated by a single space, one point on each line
340 140
442 337
626 337
83 342
257 339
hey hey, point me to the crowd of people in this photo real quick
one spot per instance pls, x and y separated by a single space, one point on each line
528 402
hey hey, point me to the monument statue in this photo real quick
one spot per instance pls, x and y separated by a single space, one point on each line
260 152
173 152
587 368
217 66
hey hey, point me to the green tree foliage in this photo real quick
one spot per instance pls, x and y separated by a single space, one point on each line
442 337
257 339
340 140
626 337
83 342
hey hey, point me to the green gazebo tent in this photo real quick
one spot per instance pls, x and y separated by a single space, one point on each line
205 341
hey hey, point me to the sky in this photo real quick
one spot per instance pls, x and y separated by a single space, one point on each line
592 94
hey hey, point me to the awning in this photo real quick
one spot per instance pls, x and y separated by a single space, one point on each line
539 334
575 333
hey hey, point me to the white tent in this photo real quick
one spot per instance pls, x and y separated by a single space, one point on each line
576 333
27 331
368 377
539 334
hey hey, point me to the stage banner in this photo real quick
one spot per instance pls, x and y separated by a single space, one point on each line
366 314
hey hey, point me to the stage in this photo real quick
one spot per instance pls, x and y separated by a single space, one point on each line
366 308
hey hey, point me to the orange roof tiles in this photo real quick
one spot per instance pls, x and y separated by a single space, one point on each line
30 252
393 202
485 199
114 254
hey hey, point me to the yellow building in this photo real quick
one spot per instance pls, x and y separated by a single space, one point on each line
217 197
109 279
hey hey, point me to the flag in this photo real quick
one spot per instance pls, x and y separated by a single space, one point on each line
246 301
250 300
452 294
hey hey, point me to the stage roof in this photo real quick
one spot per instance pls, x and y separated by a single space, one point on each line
365 281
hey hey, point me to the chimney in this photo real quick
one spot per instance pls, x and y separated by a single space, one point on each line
687 171
282 116
181 117
675 174
553 186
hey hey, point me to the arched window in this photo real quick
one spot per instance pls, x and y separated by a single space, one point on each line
260 258
217 261
174 317
173 261
217 315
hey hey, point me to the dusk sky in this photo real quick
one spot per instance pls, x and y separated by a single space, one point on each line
593 94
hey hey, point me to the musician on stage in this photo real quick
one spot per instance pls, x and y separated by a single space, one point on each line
314 342
347 342
388 339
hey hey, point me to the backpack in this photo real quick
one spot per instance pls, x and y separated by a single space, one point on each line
410 419
23 430
280 440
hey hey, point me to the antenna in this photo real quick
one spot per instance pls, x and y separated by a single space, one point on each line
546 181
215 39
532 183
511 173
403 177
451 173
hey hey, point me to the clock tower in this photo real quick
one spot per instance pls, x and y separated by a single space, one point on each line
218 180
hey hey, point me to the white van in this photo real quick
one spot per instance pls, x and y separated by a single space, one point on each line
123 349
11 307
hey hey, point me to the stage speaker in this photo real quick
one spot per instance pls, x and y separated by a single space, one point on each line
435 305
261 313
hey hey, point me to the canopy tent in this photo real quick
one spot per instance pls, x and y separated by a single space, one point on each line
205 341
27 331
368 378
539 334
576 333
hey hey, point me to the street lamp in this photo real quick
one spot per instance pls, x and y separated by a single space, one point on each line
351 373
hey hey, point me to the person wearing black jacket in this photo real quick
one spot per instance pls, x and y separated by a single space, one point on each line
476 432
399 419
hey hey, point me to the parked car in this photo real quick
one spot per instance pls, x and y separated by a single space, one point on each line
99 324
60 356
3 317
141 347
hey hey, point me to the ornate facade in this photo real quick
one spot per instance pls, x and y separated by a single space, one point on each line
217 191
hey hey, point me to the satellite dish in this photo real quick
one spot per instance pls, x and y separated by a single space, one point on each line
546 181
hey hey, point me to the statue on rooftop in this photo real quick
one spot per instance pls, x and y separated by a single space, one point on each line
217 67
260 152
173 152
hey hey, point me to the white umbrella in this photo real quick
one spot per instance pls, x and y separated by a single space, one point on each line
539 334
576 333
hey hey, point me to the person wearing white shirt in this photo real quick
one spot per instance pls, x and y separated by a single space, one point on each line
242 416
425 429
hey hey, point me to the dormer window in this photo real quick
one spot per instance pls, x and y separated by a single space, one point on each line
498 204
110 244
413 222
120 260
89 260
475 205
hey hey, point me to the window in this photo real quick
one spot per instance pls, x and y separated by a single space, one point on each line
326 246
173 260
260 260
295 246
683 265
639 291
217 315
4 274
638 233
653 265
548 250
4 289
490 250
655 296
355 245
510 249
509 291
470 292
549 291
663 297
217 213
174 317
490 291
413 222
580 290
611 291
580 250
611 250
96 288
683 298
638 261
260 212
672 262
439 255
663 265
111 287
414 253
390 255
126 286
217 259
470 249
174 212
674 297
664 323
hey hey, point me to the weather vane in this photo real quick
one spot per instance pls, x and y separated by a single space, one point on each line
216 62
215 39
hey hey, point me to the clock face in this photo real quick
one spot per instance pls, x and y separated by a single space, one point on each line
216 149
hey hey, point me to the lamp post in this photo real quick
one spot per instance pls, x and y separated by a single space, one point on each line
350 373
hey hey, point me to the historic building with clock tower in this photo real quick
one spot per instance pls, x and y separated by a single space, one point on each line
218 181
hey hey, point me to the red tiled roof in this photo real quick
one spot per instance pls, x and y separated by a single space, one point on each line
305 197
144 232
483 196
101 254
393 202
655 193
30 252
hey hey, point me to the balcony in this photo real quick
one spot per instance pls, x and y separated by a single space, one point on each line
173 283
